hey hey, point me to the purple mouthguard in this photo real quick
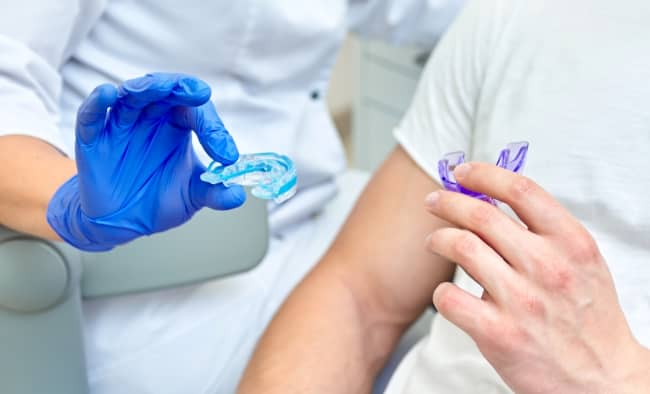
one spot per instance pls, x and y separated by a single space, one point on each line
512 158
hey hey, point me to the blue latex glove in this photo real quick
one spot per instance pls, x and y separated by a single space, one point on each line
137 171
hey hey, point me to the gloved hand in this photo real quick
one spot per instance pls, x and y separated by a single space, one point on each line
137 171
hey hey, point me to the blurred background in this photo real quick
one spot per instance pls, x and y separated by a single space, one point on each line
371 88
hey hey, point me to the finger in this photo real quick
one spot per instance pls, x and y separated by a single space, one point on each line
91 117
189 91
507 237
135 94
469 313
212 134
534 206
172 89
480 262
219 197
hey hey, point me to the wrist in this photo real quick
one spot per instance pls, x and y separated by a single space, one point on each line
627 371
66 218
28 182
637 377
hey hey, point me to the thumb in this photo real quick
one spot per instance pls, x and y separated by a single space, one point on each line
217 196
207 125
92 113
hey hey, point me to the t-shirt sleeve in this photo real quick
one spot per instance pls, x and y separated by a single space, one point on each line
404 22
33 39
441 117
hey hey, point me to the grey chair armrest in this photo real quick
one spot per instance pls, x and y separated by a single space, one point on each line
42 284
212 245
40 317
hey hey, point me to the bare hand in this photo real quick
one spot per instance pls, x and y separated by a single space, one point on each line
549 320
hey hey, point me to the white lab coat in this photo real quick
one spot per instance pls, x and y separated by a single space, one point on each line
269 64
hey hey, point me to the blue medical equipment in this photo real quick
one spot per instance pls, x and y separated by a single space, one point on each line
272 176
138 172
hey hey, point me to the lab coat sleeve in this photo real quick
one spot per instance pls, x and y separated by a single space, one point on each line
441 118
34 39
403 22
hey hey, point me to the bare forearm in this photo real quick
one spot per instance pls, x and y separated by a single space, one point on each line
323 346
31 171
339 326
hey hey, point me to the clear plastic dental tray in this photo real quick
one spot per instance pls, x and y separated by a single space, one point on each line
272 176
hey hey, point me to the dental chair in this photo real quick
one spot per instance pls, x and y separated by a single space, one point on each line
42 284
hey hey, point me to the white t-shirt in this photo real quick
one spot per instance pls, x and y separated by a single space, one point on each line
573 79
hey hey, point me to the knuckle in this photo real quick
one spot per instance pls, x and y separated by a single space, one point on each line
583 249
559 278
482 215
465 244
521 188
533 306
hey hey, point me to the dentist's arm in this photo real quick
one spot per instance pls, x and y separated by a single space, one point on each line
35 36
338 327
31 170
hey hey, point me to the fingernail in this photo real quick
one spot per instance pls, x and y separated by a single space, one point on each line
193 87
188 85
232 153
427 240
223 147
138 84
462 170
432 199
